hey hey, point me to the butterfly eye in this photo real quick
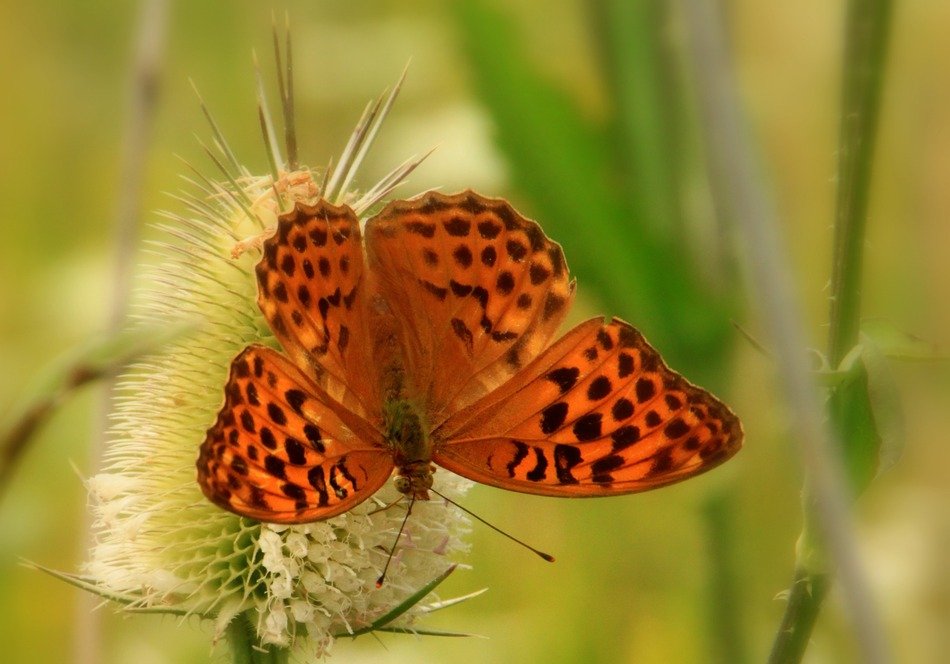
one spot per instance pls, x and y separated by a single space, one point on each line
402 484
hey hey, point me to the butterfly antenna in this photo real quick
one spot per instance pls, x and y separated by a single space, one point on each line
498 530
382 577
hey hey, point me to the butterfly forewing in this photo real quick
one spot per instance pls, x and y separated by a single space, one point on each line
598 413
477 291
282 451
313 291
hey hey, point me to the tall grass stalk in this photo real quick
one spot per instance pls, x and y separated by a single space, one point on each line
143 87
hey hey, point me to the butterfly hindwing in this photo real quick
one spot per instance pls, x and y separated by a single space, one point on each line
598 413
280 450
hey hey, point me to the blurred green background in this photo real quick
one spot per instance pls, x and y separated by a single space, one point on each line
581 114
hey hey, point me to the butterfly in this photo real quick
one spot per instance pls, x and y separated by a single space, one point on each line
426 338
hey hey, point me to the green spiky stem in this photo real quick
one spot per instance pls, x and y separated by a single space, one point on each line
805 597
865 47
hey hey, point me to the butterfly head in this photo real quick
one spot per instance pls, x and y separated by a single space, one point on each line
414 479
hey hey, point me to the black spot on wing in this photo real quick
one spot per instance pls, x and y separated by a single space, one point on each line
588 427
296 399
624 437
599 388
553 417
318 481
291 490
602 468
645 389
565 458
313 437
521 451
624 365
276 414
564 377
538 473
295 451
622 409
458 227
676 428
275 466
422 228
267 438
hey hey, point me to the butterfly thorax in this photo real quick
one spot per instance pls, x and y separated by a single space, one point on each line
408 438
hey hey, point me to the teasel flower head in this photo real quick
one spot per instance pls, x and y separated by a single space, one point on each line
160 545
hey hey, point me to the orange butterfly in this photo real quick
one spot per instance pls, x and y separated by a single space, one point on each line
427 340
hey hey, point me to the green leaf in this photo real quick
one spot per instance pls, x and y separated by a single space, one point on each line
132 603
897 344
885 402
865 410
444 604
424 632
391 615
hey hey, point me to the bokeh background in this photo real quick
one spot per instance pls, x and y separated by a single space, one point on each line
547 103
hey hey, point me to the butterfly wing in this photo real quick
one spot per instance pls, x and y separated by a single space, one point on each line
282 451
476 290
598 413
313 291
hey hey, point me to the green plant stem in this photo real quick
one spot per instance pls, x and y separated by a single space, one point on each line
244 650
866 30
867 27
805 597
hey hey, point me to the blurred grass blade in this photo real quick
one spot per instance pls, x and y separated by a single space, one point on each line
567 165
636 56
558 158
723 597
